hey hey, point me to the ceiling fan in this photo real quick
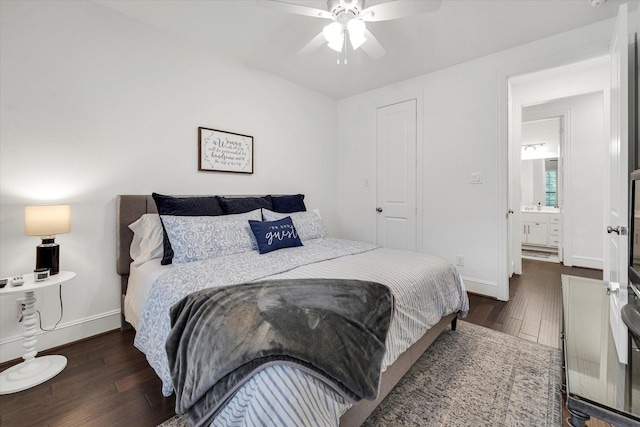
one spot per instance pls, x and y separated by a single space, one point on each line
349 19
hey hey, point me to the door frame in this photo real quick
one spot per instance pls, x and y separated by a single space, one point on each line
515 142
564 172
505 150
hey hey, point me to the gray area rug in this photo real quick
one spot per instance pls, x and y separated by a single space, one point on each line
473 376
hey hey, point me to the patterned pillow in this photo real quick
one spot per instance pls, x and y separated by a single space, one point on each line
195 238
184 206
308 224
272 235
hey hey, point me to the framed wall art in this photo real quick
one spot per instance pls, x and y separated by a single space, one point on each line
221 151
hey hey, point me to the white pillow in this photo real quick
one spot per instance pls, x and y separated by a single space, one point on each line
147 239
195 238
308 224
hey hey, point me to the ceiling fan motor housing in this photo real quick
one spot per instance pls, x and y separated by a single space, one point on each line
345 10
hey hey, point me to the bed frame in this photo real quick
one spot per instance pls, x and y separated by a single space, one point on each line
131 207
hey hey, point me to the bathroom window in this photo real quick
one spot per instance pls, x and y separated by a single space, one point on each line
551 196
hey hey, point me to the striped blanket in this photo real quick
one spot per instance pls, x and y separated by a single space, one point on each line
425 289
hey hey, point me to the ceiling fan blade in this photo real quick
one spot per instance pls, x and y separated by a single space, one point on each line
294 8
399 9
313 45
372 46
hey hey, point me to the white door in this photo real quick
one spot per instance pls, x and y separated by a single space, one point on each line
396 175
616 246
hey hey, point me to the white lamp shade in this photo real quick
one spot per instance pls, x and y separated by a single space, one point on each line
334 35
46 221
356 29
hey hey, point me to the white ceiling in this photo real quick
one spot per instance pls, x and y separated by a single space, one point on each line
268 40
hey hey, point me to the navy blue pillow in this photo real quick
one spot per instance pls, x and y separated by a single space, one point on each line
272 235
288 204
238 205
183 206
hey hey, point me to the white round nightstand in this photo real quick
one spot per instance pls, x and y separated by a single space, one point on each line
34 370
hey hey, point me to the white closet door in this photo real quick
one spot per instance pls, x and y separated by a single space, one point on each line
397 175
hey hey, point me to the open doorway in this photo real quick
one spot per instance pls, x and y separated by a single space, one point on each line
541 188
574 96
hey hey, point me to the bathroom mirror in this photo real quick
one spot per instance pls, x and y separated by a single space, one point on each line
539 167
534 181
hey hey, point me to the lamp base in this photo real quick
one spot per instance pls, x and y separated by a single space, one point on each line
48 256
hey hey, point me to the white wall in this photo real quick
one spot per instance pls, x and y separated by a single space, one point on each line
546 132
95 104
584 204
464 131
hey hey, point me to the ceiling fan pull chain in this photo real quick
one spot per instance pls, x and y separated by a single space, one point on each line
345 50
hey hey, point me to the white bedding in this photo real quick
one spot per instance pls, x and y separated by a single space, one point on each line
417 308
141 279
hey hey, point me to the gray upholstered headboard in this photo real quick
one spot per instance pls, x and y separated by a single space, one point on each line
128 209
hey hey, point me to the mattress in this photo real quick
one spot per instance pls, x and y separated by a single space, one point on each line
141 279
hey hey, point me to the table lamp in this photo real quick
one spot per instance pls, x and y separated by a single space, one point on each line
46 222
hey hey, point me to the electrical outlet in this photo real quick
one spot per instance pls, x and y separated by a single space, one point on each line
20 307
460 261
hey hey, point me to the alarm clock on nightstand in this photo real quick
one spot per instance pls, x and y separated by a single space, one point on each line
40 274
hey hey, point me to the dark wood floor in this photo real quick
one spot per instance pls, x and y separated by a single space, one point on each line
108 382
534 310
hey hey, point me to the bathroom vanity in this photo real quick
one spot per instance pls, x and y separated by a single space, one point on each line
541 230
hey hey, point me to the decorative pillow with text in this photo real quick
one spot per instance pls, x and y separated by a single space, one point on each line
273 235
308 224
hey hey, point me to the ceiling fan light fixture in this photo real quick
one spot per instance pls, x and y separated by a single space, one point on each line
336 44
356 29
334 34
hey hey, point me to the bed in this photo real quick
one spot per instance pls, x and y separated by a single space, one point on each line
150 290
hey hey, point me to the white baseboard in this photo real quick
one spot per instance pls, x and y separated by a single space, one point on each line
587 262
481 287
65 333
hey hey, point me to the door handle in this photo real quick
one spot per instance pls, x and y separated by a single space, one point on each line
622 231
378 210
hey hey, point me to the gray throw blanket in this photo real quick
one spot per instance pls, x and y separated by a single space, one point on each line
334 329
